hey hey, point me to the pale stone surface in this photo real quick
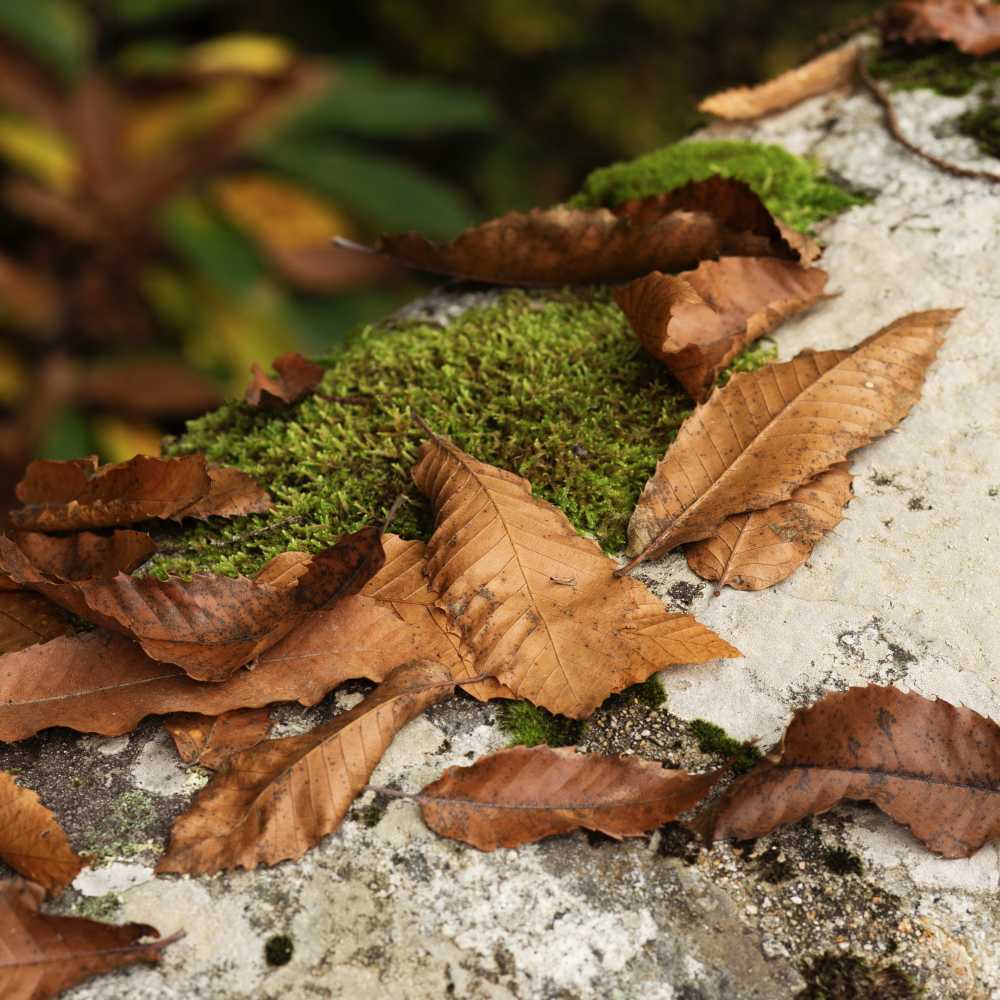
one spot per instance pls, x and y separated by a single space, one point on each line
903 592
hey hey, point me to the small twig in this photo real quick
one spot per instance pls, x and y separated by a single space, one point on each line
222 543
422 424
389 793
893 128
831 39
393 511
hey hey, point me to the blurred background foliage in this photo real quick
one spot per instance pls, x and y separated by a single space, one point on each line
172 171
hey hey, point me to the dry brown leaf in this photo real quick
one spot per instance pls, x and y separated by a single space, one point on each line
209 625
294 379
76 495
698 321
391 621
42 955
279 799
521 795
31 840
767 432
537 606
930 766
818 76
209 740
973 27
27 619
564 245
231 493
756 550
85 555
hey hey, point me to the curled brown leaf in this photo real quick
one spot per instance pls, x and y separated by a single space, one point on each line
521 795
767 432
279 799
294 379
208 740
698 321
31 840
971 25
27 619
42 955
564 245
930 766
498 561
818 76
759 549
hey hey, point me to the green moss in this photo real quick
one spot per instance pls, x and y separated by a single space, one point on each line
842 861
130 814
793 188
754 357
941 68
650 692
528 725
846 977
103 908
715 740
983 125
278 949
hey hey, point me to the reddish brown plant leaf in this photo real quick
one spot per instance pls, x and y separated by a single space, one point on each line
697 322
537 606
41 955
761 548
818 76
85 555
77 495
973 27
208 740
209 625
279 799
767 432
27 619
231 493
31 840
564 245
521 795
294 379
930 766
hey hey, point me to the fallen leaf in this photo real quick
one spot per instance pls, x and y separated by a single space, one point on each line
295 378
209 740
973 27
31 840
767 432
500 559
209 625
85 555
521 795
563 245
932 767
697 322
27 619
274 802
231 493
818 76
42 955
78 494
756 550
391 621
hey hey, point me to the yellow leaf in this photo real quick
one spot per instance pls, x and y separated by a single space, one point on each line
42 152
259 55
119 440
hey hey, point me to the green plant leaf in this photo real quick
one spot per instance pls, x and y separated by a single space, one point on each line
365 102
139 11
384 192
58 32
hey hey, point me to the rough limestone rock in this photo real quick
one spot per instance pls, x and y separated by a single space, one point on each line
903 592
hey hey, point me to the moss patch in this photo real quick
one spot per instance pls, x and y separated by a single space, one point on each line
941 68
793 188
845 977
119 836
715 740
983 125
528 725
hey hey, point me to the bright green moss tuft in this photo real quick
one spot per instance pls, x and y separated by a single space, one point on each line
530 726
983 125
714 739
942 68
793 188
650 692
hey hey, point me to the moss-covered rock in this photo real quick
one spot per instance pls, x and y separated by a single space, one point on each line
941 68
795 189
551 385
